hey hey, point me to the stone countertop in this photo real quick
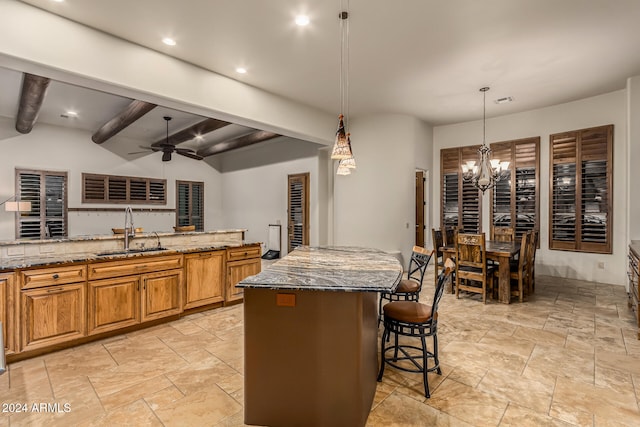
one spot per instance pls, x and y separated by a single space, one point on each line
347 269
93 237
15 263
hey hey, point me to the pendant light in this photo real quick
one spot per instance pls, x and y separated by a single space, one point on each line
489 171
342 145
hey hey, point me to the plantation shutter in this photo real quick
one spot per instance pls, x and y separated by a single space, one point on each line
123 189
298 210
47 192
515 198
461 205
190 204
581 188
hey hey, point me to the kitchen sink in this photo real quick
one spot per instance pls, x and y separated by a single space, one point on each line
131 251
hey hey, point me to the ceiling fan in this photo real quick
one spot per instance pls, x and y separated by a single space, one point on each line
168 149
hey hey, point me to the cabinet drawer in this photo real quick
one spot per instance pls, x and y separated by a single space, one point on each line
126 267
245 252
53 276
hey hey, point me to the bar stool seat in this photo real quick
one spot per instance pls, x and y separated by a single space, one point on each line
407 285
413 319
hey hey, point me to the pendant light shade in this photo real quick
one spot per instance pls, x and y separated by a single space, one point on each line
342 145
341 149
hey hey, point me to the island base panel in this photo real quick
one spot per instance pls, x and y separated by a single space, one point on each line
310 357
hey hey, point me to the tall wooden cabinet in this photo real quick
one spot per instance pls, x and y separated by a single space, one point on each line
204 278
241 262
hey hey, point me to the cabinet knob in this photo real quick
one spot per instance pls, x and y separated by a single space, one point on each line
56 276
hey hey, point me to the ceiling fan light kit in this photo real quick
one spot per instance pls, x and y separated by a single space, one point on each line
168 149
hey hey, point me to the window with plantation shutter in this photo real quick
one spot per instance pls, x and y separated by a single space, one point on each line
515 198
298 210
47 192
123 189
190 204
461 205
581 187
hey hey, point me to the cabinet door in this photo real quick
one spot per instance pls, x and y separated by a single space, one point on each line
204 278
161 294
7 311
236 271
113 304
52 315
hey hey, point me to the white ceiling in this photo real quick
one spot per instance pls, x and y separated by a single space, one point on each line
425 58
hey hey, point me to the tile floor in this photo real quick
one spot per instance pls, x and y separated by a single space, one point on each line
567 356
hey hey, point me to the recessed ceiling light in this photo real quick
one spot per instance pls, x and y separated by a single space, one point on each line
302 20
241 70
169 41
504 100
72 113
199 138
58 1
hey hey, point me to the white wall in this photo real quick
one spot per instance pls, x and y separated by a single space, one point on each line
600 110
255 197
633 160
375 205
68 150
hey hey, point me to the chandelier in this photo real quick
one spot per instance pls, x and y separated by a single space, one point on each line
342 146
490 171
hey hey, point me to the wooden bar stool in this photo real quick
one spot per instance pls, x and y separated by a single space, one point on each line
413 319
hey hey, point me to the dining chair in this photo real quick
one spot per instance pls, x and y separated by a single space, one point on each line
473 274
438 242
503 234
519 269
409 289
450 235
531 262
413 319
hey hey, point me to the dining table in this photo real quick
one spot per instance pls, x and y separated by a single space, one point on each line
501 252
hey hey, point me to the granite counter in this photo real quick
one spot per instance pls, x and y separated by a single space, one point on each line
311 328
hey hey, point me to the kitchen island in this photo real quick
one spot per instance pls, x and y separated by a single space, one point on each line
311 327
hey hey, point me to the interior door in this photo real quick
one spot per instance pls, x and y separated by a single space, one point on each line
420 208
298 210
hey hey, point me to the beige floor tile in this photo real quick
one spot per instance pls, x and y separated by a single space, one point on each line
202 375
540 336
399 411
164 397
131 394
203 408
525 392
468 404
518 416
614 360
134 414
564 362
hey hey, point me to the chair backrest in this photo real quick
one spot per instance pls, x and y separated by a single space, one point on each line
533 245
450 235
471 251
523 258
438 242
443 277
503 234
418 263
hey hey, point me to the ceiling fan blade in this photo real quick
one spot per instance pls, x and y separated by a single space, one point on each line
139 152
189 154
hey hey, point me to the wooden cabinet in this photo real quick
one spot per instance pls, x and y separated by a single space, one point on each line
52 315
7 310
241 262
161 294
204 278
632 272
126 292
113 304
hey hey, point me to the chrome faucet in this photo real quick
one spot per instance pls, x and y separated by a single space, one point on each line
129 231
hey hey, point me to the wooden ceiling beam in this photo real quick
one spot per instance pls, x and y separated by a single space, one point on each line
34 88
200 128
130 114
232 144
